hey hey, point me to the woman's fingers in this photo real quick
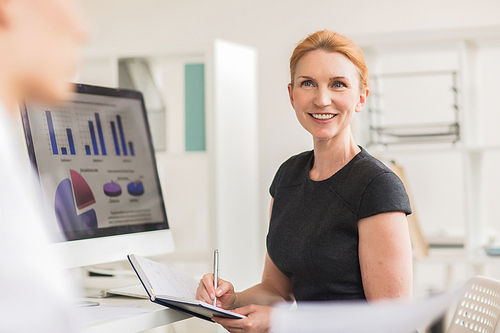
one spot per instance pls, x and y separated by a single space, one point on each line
224 292
202 295
205 289
257 320
208 282
223 288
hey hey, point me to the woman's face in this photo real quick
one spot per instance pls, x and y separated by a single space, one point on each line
326 93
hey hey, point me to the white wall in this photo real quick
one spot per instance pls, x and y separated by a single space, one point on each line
274 27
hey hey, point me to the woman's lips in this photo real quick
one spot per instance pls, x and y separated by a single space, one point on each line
322 116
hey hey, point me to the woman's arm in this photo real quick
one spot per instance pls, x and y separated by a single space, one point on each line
385 256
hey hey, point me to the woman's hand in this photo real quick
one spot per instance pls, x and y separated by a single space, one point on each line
226 297
257 320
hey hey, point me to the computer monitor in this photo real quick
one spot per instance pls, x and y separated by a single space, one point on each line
96 164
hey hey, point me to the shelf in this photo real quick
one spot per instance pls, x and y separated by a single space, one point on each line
389 135
424 148
444 256
478 148
457 256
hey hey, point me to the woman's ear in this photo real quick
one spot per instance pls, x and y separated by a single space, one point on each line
362 99
290 93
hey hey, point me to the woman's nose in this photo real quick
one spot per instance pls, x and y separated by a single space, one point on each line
323 97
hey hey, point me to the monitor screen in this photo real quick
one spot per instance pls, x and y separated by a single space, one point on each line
95 160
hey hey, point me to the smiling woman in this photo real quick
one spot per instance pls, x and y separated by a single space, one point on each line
338 228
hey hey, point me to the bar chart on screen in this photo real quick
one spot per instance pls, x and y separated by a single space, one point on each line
122 146
89 134
59 132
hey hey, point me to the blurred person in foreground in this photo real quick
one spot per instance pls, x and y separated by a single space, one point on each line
39 43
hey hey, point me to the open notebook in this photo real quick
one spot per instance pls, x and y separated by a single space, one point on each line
174 289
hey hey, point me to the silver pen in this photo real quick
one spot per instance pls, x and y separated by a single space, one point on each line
216 274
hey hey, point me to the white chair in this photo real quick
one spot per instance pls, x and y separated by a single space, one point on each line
478 309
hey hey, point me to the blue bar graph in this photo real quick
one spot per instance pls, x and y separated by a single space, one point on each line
131 147
64 151
93 138
99 132
52 133
115 138
122 135
87 149
70 141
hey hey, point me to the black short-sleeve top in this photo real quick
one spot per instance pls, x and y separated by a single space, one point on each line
313 234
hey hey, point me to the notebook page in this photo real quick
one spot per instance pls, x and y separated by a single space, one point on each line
168 281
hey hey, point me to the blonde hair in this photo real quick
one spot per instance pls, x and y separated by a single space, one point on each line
330 41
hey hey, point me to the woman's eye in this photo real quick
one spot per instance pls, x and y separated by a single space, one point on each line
339 85
307 84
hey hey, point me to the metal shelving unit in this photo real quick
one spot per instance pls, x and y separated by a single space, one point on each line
380 133
451 128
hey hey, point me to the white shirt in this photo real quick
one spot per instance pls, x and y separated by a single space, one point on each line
35 293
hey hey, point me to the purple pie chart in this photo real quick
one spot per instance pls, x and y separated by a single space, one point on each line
112 189
66 213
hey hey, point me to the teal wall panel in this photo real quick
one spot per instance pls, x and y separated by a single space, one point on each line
195 106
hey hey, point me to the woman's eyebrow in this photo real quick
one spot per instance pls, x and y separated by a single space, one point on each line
305 77
338 78
334 78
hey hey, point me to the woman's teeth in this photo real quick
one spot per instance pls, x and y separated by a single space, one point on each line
322 116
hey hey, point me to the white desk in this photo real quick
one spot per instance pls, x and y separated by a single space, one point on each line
158 316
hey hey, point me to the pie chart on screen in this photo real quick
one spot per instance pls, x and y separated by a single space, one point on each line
112 189
71 194
83 194
135 188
